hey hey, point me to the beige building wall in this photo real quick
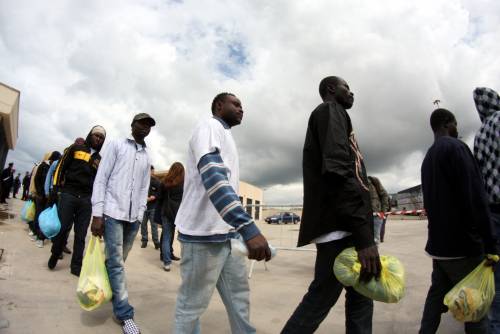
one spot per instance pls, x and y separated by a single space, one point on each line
9 113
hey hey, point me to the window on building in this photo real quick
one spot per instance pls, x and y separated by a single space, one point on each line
257 210
249 206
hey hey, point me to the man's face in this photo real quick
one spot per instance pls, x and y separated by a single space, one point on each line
343 94
141 128
231 110
452 128
96 140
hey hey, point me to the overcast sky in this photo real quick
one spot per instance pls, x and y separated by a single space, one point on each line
81 63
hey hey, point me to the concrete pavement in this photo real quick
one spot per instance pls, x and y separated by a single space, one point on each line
36 300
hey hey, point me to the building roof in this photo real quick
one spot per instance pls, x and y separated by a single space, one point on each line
411 190
9 113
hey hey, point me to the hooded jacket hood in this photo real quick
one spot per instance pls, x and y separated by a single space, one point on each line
87 140
487 102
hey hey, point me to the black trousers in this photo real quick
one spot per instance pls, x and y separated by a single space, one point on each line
40 205
78 210
445 275
26 191
324 292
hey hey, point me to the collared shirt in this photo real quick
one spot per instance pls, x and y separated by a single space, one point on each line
122 181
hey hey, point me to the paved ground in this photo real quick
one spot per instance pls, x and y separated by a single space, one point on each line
36 300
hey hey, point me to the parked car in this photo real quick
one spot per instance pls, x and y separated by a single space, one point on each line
283 217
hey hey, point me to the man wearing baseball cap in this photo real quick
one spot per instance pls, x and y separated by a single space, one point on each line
118 205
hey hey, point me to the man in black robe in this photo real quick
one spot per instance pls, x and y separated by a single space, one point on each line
337 212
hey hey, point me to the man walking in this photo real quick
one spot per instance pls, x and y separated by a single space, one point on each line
487 153
149 214
210 215
380 205
337 212
7 180
26 186
16 185
73 180
118 205
457 239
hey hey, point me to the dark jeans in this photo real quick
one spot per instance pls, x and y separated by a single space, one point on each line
149 214
40 205
166 240
445 275
78 210
494 315
26 191
324 292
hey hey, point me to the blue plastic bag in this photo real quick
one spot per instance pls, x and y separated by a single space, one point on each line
28 211
49 222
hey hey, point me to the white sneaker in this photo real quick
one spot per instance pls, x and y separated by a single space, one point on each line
130 327
166 267
33 238
31 233
39 243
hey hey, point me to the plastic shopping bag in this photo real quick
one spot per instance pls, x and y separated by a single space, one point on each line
470 299
93 285
28 211
50 225
390 287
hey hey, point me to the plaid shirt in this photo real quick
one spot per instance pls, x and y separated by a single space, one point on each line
487 140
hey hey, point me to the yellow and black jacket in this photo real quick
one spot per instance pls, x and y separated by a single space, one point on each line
76 170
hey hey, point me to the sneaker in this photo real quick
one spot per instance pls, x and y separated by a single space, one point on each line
33 237
39 243
166 267
52 262
144 244
130 327
30 233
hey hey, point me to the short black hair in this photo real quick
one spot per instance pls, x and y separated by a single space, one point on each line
441 117
220 98
56 155
323 85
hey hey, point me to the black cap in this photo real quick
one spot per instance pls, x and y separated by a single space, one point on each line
142 116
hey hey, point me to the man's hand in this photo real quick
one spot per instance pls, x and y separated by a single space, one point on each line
97 227
370 263
258 249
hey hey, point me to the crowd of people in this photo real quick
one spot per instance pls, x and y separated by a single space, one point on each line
343 207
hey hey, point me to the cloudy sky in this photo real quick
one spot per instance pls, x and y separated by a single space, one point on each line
81 63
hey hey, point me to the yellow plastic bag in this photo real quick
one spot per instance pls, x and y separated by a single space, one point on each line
390 288
93 288
470 299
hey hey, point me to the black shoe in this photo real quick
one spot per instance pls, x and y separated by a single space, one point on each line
66 250
144 244
76 272
174 258
157 245
52 261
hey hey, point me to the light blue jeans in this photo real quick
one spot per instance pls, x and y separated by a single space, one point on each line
205 266
494 314
377 226
119 237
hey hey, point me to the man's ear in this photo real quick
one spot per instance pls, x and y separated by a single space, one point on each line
330 89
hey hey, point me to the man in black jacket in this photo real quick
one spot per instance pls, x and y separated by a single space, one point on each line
7 180
337 212
460 231
153 194
73 180
26 186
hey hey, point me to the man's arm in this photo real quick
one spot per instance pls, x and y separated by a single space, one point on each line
62 166
382 194
143 195
225 200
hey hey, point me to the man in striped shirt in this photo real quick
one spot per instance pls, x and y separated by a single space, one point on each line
210 216
118 204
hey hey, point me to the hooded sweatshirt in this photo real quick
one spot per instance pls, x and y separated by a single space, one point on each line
77 169
32 189
487 141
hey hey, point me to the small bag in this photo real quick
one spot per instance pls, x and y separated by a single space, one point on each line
50 225
471 298
28 211
389 288
93 288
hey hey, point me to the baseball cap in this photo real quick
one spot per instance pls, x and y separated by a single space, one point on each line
142 116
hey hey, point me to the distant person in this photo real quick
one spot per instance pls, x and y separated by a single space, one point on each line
118 205
380 205
337 212
153 194
26 186
487 153
457 239
16 185
73 181
169 203
210 215
7 181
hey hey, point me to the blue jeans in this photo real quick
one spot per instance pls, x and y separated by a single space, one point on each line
119 237
204 267
377 227
165 241
149 215
494 315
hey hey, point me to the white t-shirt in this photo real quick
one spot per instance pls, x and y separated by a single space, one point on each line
197 216
335 235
